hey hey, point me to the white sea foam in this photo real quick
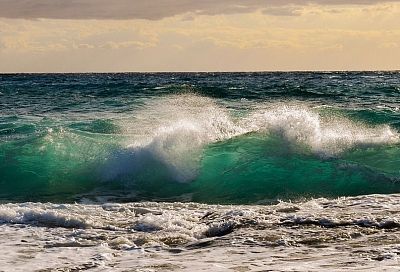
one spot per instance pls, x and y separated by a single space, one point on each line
25 214
326 136
355 232
171 132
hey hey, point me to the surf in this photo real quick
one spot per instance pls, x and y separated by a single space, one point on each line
197 148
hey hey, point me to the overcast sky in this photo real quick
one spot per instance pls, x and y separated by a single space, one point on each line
198 35
147 9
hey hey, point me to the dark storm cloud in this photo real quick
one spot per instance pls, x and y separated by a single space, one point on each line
150 9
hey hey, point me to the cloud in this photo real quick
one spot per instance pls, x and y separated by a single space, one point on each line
126 44
282 11
154 9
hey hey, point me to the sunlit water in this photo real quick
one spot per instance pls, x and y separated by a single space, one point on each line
285 144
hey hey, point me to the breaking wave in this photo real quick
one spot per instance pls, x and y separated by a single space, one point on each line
197 147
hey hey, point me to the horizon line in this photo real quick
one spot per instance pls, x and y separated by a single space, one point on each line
206 72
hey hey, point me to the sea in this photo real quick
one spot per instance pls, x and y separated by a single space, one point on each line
258 171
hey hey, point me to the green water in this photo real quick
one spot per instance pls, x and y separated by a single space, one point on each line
194 137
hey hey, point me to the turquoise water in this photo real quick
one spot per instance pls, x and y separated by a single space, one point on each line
213 138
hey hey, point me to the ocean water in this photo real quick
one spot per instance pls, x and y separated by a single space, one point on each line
149 171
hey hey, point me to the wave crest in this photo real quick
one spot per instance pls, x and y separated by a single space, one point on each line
170 134
325 136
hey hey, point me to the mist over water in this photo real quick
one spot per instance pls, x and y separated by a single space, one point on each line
211 138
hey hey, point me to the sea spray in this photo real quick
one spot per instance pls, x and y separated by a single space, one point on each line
198 138
89 151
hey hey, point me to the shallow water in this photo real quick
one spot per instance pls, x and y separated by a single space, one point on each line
346 234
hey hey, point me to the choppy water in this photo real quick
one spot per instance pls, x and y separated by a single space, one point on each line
286 144
346 234
211 138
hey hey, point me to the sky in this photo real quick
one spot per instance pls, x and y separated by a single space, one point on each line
198 35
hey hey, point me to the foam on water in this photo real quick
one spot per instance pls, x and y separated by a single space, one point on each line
355 233
296 122
172 132
106 143
326 136
177 146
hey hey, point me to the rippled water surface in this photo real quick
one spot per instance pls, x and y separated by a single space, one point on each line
210 138
200 172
